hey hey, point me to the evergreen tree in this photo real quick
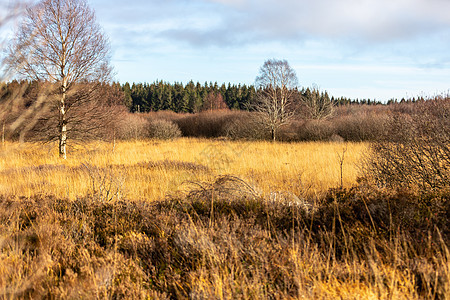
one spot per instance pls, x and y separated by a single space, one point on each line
127 94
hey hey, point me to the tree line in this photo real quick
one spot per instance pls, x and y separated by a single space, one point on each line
186 98
189 98
195 97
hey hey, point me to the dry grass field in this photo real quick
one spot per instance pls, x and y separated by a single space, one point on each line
149 170
113 222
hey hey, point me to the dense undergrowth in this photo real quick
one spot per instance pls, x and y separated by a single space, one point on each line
223 240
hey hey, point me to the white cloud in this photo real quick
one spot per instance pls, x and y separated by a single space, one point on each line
403 40
220 22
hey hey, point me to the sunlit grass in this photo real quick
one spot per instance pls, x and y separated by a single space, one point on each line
301 168
206 244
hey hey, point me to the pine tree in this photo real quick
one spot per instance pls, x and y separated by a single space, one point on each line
127 93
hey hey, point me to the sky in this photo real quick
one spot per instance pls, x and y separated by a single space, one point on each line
377 49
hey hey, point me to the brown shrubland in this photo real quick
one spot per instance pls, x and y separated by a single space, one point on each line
222 240
414 150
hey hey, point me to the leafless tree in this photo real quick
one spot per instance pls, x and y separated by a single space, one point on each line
317 105
214 101
276 83
68 52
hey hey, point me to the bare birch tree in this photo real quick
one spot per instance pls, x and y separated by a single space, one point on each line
68 51
276 83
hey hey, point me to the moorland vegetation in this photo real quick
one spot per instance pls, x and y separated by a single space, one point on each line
205 192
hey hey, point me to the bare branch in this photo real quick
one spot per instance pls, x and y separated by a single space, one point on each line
8 14
317 104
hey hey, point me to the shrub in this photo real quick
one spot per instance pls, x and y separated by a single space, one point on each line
167 115
414 152
132 126
362 126
315 130
163 129
205 124
247 126
288 132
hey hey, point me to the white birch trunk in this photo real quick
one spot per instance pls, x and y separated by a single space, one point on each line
62 125
62 142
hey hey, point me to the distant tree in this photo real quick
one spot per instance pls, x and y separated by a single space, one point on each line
318 105
167 95
68 49
191 97
159 95
178 98
184 103
276 83
214 101
127 95
223 91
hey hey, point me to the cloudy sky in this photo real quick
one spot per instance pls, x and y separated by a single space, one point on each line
355 48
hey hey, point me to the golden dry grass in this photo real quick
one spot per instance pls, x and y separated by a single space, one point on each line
207 245
149 170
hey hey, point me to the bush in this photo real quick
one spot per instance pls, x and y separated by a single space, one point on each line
247 126
206 124
315 130
132 126
414 152
362 126
163 129
167 115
